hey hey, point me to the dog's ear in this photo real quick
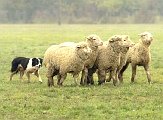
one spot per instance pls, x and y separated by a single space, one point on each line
34 61
41 60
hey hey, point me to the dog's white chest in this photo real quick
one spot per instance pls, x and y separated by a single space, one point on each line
29 65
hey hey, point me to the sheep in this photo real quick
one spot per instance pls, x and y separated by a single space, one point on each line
123 56
139 55
93 42
109 58
62 59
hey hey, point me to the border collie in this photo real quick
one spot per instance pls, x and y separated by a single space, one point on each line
26 65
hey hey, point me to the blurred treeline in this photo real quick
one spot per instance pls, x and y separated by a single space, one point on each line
81 11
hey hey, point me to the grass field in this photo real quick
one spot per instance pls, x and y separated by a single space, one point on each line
20 100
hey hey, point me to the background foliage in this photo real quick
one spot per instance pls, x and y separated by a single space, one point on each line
81 11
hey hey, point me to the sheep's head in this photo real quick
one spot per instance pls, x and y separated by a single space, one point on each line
83 50
115 38
115 41
146 38
94 40
121 42
127 43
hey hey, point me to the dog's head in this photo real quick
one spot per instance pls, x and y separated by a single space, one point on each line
37 62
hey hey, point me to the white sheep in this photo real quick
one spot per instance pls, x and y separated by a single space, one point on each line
93 42
62 59
109 58
139 55
123 56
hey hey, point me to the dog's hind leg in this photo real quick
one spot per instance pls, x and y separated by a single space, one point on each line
21 75
20 68
12 74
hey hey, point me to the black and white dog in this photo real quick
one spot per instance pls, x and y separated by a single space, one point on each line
26 65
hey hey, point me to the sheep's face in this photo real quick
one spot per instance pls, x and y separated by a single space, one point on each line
126 43
94 40
121 42
83 50
115 38
116 42
146 38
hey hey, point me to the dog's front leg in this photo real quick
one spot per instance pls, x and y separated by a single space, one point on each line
28 76
38 75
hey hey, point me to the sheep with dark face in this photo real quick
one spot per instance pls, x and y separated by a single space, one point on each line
62 59
139 55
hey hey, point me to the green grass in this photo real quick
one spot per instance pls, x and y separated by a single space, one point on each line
20 100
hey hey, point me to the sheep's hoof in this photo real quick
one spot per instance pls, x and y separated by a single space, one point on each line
59 84
108 80
150 83
92 82
132 82
40 82
114 82
101 82
121 81
82 83
50 85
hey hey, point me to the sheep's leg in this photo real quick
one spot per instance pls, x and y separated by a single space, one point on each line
91 71
49 75
101 76
63 77
84 76
90 79
146 67
117 75
113 76
59 79
109 78
75 78
133 72
120 74
38 75
50 81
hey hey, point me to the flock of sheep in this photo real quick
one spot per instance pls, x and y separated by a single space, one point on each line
95 56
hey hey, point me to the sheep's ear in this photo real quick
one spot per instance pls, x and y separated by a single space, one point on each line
78 46
127 37
119 38
89 38
111 40
141 34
